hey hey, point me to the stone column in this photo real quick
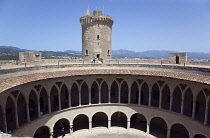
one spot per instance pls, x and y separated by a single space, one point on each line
150 95
4 121
89 96
206 112
171 102
182 104
38 107
99 95
148 131
80 96
129 95
16 116
27 112
51 134
139 100
119 94
71 129
49 104
59 101
109 96
160 98
128 124
193 112
168 133
69 94
109 123
90 124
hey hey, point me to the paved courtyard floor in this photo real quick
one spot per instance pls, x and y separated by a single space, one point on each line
113 132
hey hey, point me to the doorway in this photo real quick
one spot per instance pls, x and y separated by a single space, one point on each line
177 59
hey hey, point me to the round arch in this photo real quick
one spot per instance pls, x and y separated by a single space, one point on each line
119 119
100 119
158 127
42 132
61 128
80 122
179 131
138 121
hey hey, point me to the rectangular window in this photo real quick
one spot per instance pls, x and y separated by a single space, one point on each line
98 37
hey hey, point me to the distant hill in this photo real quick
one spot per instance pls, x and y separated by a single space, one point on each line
10 52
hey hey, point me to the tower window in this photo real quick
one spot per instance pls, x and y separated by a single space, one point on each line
108 52
98 37
86 52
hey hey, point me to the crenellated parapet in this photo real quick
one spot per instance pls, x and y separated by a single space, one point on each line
86 20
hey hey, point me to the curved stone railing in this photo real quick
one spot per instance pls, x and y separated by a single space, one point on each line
148 118
14 69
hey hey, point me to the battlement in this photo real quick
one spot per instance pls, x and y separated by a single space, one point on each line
96 17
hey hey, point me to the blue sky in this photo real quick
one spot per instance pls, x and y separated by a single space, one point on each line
139 25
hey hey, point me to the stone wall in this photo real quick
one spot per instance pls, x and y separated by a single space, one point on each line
31 57
178 58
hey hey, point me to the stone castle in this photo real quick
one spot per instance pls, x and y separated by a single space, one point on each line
151 98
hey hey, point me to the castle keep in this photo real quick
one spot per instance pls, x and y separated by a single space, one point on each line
96 35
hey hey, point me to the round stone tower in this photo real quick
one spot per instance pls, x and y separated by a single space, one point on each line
96 35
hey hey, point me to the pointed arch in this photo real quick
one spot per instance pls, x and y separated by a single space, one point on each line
114 92
177 99
124 93
43 102
94 93
188 103
33 105
84 94
155 95
64 97
74 95
134 93
10 114
54 99
104 92
200 107
21 109
144 94
166 97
